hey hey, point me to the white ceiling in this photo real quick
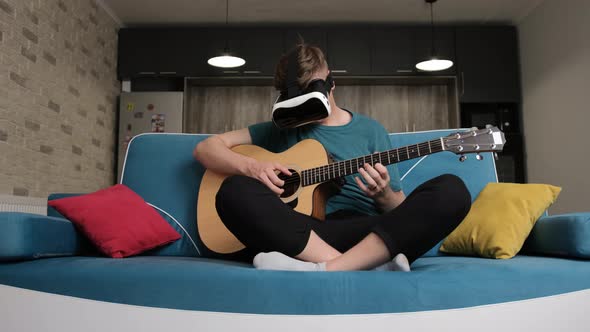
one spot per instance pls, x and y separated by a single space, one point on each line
198 12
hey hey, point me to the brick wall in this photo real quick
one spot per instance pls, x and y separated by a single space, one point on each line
58 91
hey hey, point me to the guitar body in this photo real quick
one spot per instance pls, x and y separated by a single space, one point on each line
309 200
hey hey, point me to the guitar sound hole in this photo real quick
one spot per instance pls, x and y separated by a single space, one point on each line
292 183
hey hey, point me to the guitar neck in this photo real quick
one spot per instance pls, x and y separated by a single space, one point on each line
347 167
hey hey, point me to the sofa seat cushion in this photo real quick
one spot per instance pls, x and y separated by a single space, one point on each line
212 285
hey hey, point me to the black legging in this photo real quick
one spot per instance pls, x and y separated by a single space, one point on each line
262 222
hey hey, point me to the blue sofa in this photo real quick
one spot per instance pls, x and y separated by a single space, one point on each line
46 266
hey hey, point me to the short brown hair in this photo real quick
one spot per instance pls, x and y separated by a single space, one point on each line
310 59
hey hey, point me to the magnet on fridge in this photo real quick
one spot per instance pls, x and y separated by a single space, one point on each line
138 115
150 107
158 123
130 107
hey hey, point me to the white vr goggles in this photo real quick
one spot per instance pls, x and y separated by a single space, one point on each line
294 107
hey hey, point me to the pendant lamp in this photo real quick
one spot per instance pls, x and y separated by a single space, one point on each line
226 59
434 63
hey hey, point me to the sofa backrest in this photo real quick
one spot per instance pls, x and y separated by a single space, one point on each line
475 173
160 168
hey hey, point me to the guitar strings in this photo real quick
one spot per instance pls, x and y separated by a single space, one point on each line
339 166
331 169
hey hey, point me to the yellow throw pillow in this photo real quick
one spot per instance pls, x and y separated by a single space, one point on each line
500 220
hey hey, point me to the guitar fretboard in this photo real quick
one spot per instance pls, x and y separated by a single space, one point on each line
352 166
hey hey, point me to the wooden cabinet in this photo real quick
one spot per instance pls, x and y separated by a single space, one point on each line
487 64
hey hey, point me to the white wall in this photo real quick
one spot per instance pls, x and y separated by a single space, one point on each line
555 63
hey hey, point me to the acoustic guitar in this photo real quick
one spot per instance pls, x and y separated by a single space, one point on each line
308 188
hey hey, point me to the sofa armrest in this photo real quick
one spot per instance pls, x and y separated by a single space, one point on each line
25 236
560 235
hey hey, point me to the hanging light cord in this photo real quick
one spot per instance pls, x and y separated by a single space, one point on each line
226 49
433 50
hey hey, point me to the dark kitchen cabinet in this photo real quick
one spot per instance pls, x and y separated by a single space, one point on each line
146 52
487 64
349 50
159 52
486 58
392 51
259 47
312 36
185 51
206 43
397 50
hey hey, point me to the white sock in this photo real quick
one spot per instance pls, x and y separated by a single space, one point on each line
278 261
398 263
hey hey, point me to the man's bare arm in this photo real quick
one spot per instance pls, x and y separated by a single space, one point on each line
215 153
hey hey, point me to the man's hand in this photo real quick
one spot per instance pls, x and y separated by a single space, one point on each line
266 172
377 187
376 179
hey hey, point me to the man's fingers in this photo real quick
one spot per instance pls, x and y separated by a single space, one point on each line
372 172
271 185
272 176
361 184
383 172
282 168
371 184
376 176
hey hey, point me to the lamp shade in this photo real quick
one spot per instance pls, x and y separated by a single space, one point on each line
226 61
434 64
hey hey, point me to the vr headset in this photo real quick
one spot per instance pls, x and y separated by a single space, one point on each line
294 107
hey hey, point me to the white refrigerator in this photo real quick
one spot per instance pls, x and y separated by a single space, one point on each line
147 112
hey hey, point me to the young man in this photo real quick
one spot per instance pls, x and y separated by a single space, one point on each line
369 224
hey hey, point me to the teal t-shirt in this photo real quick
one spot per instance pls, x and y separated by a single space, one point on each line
360 137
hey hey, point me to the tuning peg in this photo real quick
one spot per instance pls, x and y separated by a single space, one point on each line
462 158
495 155
478 157
488 126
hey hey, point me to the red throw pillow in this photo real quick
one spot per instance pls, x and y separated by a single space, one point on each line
117 221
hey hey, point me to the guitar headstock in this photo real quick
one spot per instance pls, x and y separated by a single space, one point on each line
490 139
